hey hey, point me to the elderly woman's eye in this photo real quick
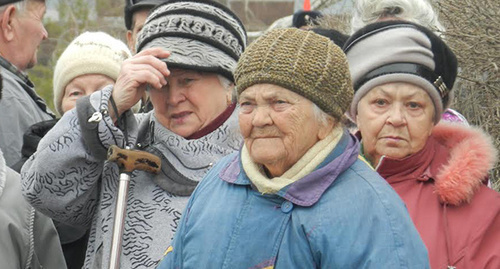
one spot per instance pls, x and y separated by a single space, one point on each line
380 102
187 80
414 105
246 107
75 93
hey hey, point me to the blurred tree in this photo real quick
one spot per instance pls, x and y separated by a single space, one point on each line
473 32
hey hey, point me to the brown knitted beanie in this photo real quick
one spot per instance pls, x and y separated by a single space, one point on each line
301 61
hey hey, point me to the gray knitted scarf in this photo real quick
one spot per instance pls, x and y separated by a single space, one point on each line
185 162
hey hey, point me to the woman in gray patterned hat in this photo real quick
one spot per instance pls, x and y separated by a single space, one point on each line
187 52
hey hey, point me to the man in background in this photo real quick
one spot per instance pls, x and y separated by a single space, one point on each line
22 31
136 12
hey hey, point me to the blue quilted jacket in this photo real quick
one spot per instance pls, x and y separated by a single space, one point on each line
342 215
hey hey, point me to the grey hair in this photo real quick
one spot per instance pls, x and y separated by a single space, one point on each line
20 6
321 116
416 11
228 86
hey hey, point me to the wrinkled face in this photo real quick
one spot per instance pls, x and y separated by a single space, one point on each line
30 33
278 126
190 101
82 86
395 120
138 19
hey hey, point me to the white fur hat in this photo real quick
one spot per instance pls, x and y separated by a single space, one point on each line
89 53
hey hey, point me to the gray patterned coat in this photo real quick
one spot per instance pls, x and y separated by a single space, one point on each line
69 180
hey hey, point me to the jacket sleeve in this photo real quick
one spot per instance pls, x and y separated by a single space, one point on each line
62 179
29 238
48 252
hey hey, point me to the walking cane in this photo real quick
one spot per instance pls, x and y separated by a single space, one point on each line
128 160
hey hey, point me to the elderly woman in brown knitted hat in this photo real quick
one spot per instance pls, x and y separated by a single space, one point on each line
403 75
297 195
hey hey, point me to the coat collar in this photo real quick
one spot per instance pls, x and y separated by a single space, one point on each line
457 157
471 155
308 190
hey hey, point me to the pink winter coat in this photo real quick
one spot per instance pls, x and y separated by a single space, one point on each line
457 216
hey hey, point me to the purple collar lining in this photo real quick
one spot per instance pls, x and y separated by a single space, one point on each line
308 190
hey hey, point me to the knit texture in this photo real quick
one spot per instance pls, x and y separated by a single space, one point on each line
201 35
300 61
89 53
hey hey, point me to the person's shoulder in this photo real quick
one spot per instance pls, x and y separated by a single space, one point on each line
363 184
10 86
215 173
485 201
11 200
363 174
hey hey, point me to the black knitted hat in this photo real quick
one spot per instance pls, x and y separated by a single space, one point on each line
305 18
132 6
5 2
337 37
201 35
401 51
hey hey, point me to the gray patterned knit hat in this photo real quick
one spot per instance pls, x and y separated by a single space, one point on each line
301 61
201 35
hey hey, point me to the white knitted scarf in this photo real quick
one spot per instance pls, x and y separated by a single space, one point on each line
304 166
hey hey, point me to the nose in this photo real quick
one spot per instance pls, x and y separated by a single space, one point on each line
261 117
45 34
175 95
396 116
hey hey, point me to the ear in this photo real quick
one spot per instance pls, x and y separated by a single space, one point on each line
327 128
229 94
7 23
130 42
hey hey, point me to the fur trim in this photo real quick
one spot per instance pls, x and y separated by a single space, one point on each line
472 155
